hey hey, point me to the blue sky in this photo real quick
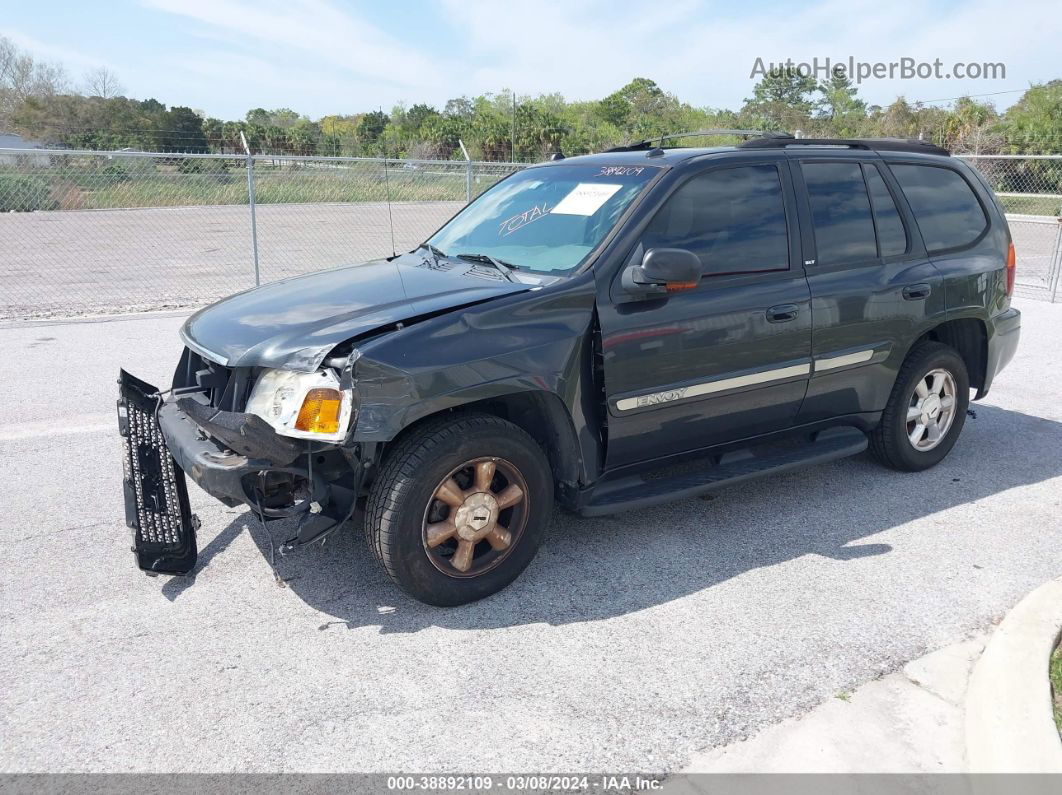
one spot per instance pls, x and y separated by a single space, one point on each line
343 56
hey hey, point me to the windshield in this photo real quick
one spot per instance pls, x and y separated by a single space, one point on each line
545 219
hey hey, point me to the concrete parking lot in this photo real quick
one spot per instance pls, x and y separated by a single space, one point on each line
631 642
85 262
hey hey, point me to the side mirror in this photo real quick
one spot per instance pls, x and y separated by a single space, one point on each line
663 270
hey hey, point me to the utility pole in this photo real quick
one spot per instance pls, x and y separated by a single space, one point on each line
514 128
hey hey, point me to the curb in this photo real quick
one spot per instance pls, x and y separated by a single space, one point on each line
1009 727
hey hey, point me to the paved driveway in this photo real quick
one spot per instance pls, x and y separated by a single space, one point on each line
629 643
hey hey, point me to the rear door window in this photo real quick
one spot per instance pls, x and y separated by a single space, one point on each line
948 213
840 213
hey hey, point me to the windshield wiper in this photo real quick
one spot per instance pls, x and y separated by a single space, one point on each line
505 268
436 253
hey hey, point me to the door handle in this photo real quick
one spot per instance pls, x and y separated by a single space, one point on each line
782 313
916 292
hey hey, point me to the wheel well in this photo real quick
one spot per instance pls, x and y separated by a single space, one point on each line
969 337
541 414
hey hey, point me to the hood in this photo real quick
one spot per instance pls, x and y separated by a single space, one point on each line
293 324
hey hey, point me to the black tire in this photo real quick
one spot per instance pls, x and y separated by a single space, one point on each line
889 442
403 495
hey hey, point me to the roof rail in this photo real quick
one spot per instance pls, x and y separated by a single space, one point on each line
649 143
872 144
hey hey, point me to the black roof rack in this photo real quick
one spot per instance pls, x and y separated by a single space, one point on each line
873 144
650 143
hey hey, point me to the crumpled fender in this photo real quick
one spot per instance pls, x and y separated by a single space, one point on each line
531 342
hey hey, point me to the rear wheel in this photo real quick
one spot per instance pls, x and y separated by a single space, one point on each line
459 508
926 410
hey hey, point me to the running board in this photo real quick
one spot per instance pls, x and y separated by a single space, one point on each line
638 492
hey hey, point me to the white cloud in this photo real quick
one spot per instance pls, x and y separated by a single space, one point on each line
704 51
319 56
71 59
314 30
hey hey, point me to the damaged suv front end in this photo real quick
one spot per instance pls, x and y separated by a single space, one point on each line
263 403
270 439
296 398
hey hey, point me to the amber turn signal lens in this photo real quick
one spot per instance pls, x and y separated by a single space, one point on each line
319 412
674 287
1011 268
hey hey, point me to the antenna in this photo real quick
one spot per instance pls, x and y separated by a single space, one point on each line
250 202
387 192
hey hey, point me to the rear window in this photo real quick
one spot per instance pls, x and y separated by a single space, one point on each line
892 237
945 206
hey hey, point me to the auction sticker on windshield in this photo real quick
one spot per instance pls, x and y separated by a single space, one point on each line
586 198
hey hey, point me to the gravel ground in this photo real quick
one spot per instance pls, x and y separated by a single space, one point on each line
105 261
629 643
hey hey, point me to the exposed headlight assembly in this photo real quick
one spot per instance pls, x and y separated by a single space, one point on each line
303 405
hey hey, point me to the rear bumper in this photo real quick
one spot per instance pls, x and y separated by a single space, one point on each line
1004 331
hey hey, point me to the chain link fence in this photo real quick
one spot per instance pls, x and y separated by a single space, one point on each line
106 232
1030 189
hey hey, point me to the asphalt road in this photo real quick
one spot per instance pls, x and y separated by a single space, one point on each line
629 643
86 262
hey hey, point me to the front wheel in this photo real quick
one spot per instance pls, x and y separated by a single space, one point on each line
926 410
459 508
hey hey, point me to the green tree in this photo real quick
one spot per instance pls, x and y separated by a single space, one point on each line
898 120
259 116
22 78
303 137
460 108
416 116
781 99
213 130
371 127
443 133
641 108
839 100
1033 124
230 136
182 131
972 126
338 135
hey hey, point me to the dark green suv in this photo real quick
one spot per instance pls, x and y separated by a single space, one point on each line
575 333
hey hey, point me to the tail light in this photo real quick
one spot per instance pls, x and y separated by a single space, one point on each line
1011 268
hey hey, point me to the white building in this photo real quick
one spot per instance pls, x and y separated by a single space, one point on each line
10 141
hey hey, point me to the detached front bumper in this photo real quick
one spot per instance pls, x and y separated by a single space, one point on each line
233 456
156 498
219 470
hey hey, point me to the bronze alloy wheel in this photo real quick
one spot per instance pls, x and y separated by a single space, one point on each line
475 517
